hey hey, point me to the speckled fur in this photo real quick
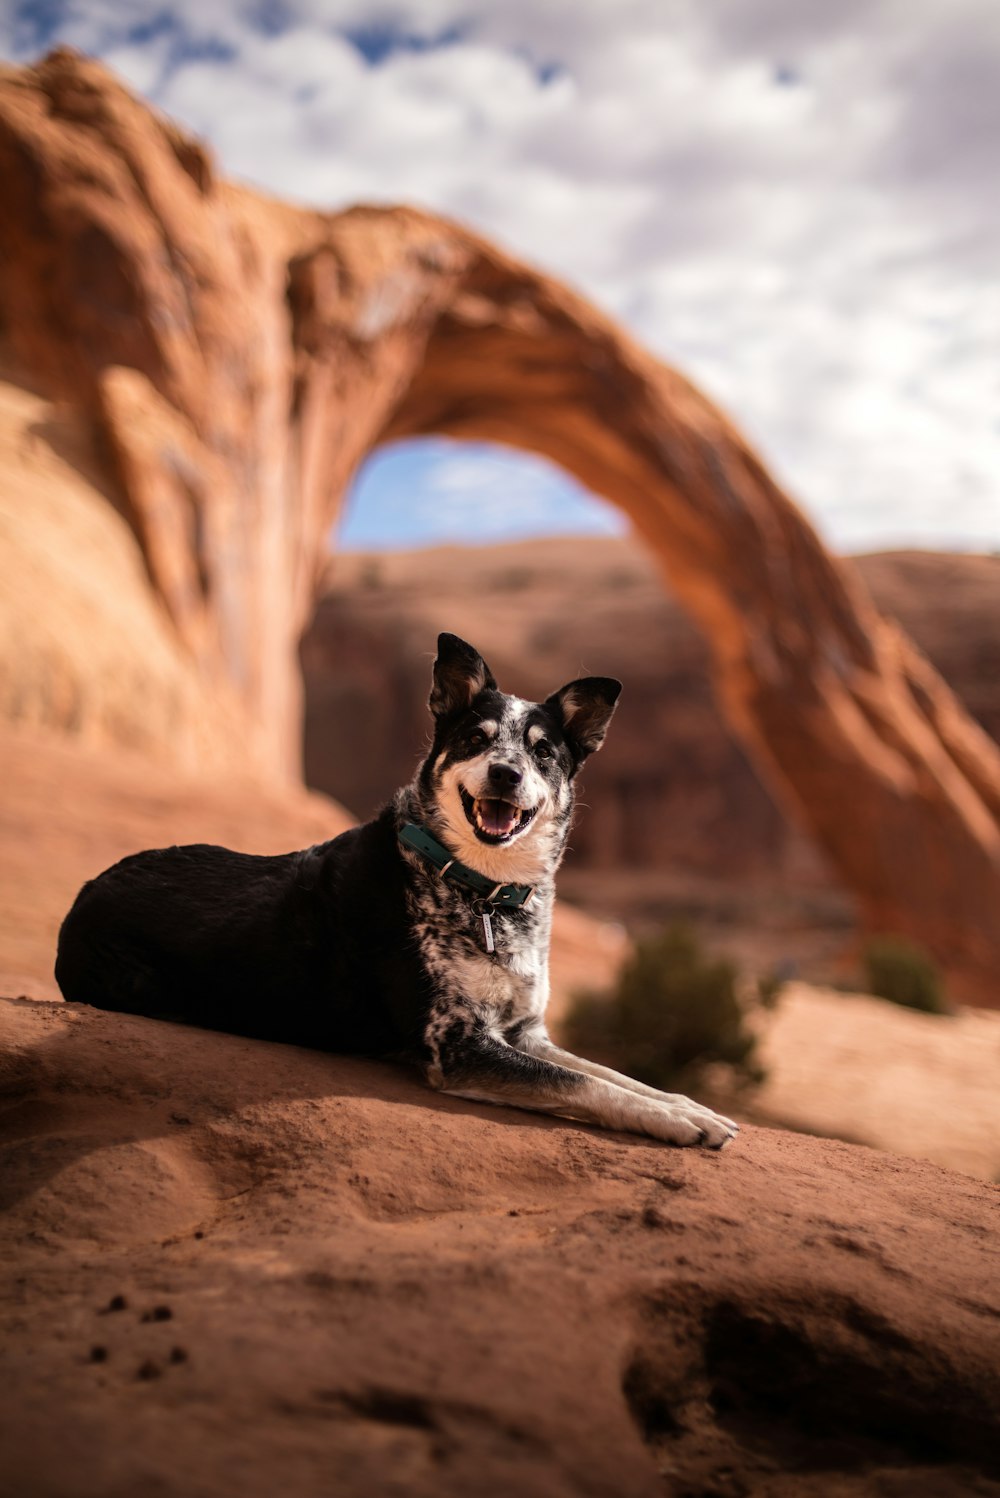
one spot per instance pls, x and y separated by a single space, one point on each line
360 945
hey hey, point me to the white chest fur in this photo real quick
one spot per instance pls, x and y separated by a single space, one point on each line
502 992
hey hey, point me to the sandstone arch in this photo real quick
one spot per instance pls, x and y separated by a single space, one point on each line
240 357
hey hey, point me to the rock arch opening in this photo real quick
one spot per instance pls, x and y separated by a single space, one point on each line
427 491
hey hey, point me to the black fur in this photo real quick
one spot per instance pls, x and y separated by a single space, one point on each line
326 947
313 948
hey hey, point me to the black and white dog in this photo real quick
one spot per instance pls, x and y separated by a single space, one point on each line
422 935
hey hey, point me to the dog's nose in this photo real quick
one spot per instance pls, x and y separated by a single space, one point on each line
504 777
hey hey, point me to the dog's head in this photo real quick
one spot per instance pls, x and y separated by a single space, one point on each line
498 782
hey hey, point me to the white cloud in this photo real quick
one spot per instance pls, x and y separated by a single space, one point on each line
794 202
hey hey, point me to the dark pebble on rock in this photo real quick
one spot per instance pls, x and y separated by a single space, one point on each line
159 1313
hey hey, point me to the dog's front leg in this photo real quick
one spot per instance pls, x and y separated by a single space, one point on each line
536 1042
472 1062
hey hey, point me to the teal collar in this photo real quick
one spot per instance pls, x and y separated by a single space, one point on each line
512 896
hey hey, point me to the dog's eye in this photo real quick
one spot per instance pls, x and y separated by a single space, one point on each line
543 750
476 738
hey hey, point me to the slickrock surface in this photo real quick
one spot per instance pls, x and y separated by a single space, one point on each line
863 1069
237 358
236 1269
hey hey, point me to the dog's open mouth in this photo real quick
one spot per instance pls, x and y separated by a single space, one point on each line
494 820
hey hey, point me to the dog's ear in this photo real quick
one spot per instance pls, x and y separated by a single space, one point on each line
460 674
586 707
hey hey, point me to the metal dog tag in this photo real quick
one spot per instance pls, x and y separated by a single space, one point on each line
488 932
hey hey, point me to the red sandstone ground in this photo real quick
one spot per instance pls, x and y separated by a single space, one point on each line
231 1269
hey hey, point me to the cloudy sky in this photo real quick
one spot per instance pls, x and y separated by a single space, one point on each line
795 201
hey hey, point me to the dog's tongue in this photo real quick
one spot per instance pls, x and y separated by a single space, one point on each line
497 817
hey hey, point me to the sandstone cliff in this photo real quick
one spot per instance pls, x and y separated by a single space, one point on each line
86 647
236 359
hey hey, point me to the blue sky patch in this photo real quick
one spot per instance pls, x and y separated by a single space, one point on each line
434 491
36 23
379 40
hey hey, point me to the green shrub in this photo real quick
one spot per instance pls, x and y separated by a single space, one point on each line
903 973
673 1012
769 988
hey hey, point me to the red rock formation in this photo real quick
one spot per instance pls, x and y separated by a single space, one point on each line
237 1270
240 358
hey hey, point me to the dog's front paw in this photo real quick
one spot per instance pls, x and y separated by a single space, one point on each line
687 1123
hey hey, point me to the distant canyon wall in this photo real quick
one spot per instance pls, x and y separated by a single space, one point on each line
237 359
672 789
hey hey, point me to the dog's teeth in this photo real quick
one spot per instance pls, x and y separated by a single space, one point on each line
496 818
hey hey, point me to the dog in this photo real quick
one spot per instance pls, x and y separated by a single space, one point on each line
422 935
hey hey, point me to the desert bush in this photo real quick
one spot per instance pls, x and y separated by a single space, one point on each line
673 1011
769 988
902 972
